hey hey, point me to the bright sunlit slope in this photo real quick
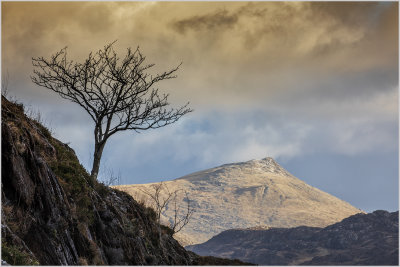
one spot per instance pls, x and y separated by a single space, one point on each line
249 194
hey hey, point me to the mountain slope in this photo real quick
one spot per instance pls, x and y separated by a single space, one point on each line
52 216
362 239
248 194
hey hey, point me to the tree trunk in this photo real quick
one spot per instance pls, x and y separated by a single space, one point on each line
98 151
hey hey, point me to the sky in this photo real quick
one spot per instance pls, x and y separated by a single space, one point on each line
312 84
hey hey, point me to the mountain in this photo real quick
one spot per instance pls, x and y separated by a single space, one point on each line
362 239
248 194
51 215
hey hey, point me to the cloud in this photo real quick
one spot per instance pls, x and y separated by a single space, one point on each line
348 12
250 53
322 77
217 20
205 141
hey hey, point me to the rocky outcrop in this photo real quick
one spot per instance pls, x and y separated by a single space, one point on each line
52 216
362 239
249 194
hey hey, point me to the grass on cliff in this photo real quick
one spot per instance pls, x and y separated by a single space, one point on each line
72 176
15 256
74 179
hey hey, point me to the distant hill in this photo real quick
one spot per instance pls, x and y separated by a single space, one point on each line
52 216
362 239
249 194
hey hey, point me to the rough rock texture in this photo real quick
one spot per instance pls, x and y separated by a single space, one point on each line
52 216
249 194
362 239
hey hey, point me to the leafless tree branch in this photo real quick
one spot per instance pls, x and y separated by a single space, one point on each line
162 197
118 94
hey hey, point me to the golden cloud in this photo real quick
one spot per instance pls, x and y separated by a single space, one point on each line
244 50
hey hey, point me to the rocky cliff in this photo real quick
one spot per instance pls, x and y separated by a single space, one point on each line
362 239
52 216
249 194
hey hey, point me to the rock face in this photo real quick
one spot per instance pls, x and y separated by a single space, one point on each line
249 194
362 239
52 216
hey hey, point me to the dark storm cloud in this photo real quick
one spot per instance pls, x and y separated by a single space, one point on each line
217 20
376 23
350 13
220 19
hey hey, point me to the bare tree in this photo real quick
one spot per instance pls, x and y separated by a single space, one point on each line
4 84
112 178
181 218
118 94
161 197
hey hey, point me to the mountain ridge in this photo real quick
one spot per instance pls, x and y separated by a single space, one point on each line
361 239
249 194
268 162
